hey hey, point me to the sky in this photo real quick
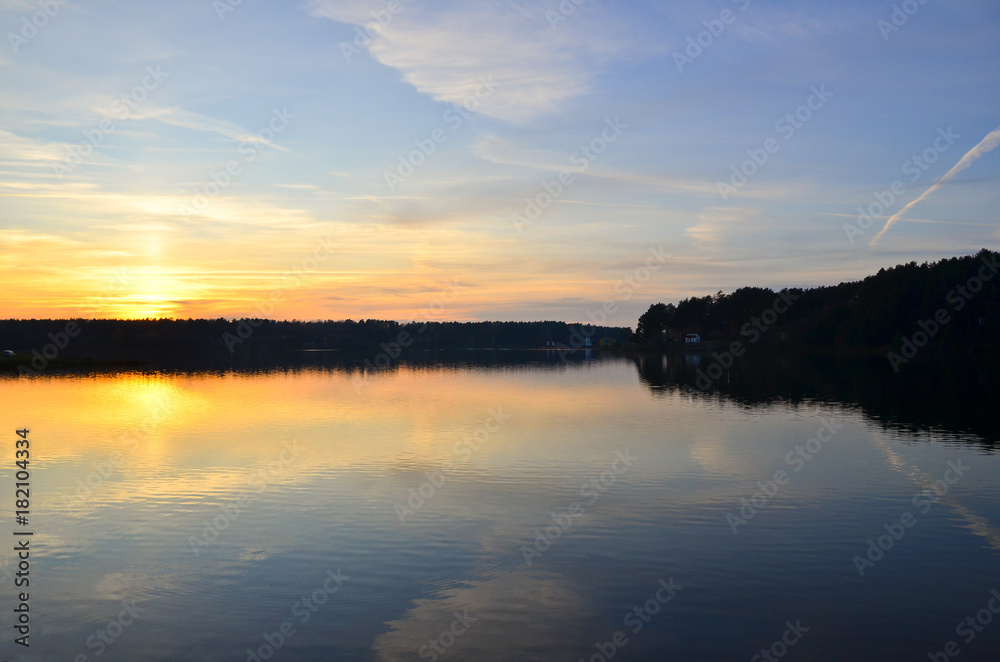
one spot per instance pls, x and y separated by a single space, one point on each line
483 160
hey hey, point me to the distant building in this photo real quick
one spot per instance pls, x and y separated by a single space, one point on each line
692 338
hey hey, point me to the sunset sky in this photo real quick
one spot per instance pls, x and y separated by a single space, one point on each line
381 153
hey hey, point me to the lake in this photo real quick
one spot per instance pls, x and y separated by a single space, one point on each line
510 506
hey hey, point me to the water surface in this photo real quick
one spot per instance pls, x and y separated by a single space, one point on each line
528 507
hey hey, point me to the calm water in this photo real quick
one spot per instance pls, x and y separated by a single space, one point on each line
494 509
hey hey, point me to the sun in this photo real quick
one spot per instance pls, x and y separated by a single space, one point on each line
142 293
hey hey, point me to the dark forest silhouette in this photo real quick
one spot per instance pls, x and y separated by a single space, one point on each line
881 311
954 303
149 338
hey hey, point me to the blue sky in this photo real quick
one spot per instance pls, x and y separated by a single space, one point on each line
311 121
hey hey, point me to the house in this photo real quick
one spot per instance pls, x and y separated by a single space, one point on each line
691 338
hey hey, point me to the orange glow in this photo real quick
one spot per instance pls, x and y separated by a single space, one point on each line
145 262
179 418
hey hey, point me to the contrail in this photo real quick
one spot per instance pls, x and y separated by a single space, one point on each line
985 145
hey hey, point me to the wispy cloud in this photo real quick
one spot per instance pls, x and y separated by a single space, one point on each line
21 237
198 122
443 53
15 148
506 152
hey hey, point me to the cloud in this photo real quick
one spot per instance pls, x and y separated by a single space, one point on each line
494 149
704 233
443 51
987 144
299 187
198 122
546 606
19 148
724 227
19 238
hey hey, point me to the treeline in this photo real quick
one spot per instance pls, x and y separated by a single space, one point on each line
84 337
959 400
955 301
